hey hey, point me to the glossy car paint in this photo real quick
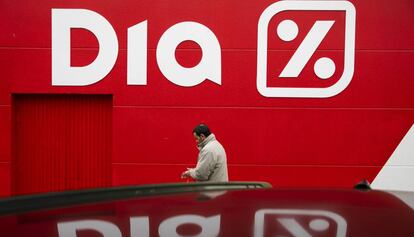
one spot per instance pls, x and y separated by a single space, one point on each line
267 212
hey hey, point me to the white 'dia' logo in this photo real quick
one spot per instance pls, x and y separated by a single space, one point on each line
324 67
63 74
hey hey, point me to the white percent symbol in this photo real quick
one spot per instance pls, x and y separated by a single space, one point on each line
324 67
288 218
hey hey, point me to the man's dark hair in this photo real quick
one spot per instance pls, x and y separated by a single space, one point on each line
202 129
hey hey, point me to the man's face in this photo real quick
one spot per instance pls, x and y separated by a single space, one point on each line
199 139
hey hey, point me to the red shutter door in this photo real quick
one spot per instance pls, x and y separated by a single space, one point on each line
61 142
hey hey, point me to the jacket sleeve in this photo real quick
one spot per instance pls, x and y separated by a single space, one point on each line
204 166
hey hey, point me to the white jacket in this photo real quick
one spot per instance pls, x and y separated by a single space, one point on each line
211 162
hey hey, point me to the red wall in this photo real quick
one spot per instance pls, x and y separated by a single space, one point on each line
332 142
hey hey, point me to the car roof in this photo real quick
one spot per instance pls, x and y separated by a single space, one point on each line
232 209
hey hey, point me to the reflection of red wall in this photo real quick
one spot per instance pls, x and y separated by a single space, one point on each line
288 142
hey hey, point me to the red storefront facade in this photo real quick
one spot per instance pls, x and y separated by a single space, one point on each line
300 93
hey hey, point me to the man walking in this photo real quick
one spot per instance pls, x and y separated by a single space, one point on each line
212 161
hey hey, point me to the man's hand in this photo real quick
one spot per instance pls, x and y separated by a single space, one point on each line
186 174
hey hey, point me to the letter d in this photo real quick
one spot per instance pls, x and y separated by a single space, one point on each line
62 21
105 228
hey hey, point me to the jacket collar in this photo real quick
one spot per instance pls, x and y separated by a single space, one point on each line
208 139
